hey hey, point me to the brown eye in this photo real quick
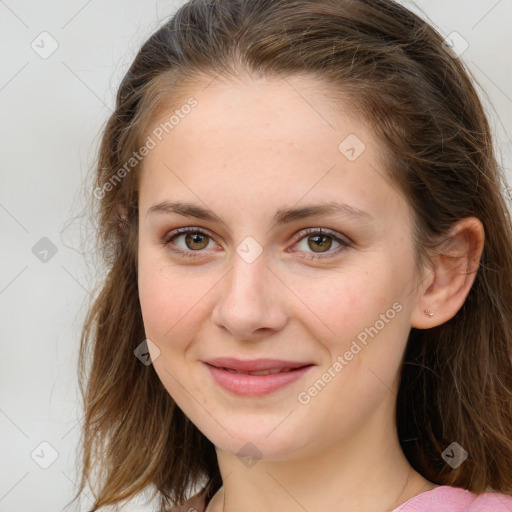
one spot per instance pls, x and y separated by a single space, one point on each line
196 241
187 241
319 243
192 242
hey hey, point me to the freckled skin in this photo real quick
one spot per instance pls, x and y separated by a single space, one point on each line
246 150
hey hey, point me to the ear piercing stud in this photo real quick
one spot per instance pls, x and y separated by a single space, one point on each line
428 312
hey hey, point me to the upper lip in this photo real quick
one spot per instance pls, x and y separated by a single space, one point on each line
254 365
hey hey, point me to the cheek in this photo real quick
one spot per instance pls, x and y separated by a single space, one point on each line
166 296
361 316
155 298
339 305
169 300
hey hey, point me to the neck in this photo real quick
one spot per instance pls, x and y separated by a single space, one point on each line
367 472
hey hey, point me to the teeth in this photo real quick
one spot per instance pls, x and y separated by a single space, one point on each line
261 372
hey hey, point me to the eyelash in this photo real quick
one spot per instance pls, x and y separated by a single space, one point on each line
345 243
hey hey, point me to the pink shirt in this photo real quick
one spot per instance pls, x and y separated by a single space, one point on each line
440 499
445 498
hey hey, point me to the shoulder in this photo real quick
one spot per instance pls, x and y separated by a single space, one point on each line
194 504
445 498
488 501
492 502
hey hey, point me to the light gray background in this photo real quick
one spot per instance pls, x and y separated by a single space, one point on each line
52 111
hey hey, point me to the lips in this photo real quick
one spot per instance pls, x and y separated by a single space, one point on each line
256 366
256 377
261 372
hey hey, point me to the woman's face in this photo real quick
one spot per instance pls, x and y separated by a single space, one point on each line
252 281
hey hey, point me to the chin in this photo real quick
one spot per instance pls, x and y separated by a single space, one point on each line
255 442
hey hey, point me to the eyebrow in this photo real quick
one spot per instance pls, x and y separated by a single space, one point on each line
282 216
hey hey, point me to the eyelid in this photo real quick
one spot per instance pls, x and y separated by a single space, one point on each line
323 231
343 240
175 233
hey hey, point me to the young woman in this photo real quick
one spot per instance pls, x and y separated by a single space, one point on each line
309 297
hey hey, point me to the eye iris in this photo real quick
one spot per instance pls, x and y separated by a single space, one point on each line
196 241
195 238
317 239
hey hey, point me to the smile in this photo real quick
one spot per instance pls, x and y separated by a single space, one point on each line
256 383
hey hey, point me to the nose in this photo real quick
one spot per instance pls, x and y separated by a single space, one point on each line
251 300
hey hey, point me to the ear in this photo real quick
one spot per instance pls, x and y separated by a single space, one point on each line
453 271
121 213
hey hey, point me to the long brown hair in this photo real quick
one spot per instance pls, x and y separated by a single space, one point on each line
419 99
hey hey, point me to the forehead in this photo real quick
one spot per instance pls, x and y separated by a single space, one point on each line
280 139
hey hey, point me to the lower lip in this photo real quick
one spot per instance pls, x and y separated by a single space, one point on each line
255 385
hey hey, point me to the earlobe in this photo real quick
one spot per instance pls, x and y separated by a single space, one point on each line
453 273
